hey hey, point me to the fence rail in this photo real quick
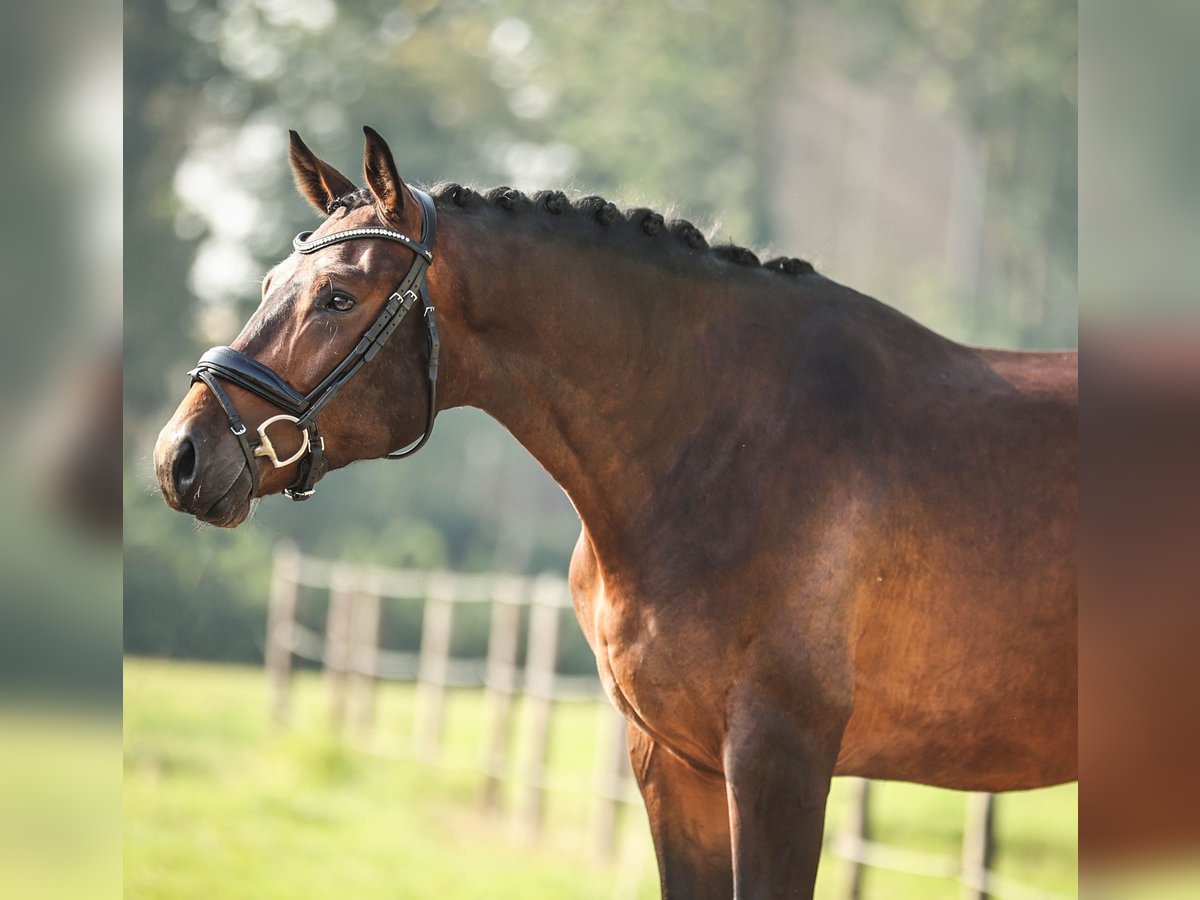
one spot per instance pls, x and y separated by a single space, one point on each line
353 662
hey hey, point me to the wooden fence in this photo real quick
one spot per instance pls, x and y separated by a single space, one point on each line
353 663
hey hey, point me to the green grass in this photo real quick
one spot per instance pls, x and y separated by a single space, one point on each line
60 791
220 804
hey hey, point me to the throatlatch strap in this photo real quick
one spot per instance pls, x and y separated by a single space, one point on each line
435 346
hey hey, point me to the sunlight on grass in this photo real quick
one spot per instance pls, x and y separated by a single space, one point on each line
59 793
220 804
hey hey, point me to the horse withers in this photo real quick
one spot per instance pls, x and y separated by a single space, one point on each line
817 538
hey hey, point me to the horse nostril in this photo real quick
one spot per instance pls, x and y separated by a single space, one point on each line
185 464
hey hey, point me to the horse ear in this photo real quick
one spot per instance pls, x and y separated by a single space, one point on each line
379 171
318 182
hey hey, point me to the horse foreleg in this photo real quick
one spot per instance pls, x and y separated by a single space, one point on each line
778 772
689 822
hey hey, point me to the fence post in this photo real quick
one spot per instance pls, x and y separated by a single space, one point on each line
338 626
434 668
540 658
612 777
364 655
501 684
977 845
854 833
281 622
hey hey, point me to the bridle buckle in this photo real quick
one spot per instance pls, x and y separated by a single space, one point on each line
267 449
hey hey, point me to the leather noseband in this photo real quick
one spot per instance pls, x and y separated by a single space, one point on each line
226 364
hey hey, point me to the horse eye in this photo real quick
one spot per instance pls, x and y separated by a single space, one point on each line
341 303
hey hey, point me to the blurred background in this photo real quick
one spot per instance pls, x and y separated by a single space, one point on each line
922 151
60 450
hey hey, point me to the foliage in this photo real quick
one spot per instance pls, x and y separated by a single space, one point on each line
1007 68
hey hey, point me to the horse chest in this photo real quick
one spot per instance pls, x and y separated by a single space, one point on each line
661 667
660 673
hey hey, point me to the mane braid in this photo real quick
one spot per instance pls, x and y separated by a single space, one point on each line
604 213
735 254
353 200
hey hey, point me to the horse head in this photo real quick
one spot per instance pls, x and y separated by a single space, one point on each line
330 368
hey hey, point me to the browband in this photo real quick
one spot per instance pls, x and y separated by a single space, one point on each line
301 243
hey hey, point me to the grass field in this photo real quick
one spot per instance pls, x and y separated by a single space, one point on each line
219 805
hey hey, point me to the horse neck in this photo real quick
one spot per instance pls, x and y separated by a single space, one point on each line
587 355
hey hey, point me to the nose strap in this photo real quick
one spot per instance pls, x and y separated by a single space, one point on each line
248 373
236 425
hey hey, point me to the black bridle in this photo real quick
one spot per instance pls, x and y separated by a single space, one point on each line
225 363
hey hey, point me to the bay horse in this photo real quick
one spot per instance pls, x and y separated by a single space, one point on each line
817 538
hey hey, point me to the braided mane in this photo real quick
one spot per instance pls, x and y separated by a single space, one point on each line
600 211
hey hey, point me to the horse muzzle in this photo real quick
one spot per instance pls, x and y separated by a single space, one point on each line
202 472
